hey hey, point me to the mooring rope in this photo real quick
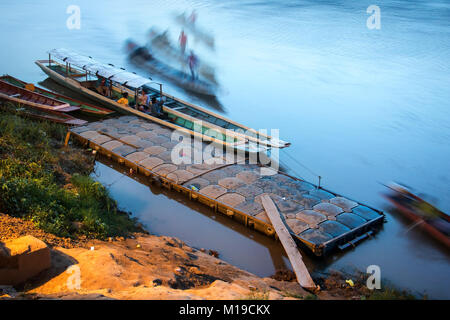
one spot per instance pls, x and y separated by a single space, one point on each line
122 175
109 185
297 175
302 165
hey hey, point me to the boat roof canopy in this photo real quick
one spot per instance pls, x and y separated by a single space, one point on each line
72 57
108 71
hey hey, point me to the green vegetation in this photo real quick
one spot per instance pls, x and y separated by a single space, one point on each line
335 283
44 182
257 295
292 295
391 293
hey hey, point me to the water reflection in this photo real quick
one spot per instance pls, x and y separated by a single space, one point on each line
190 221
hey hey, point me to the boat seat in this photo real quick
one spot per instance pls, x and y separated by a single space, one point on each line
170 103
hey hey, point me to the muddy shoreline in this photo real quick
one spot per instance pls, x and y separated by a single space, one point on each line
143 266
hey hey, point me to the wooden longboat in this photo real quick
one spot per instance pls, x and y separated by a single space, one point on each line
182 116
23 96
36 106
408 212
86 108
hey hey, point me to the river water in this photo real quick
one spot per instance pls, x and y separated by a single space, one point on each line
360 106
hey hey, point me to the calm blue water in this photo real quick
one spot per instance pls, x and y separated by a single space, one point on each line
361 107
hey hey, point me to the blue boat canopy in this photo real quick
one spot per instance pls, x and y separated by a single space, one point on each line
118 75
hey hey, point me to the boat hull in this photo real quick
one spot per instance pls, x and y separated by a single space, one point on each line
82 107
410 215
17 94
78 88
45 114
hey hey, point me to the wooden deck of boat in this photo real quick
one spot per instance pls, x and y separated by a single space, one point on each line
318 219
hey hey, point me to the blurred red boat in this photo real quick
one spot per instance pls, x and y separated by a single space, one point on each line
423 215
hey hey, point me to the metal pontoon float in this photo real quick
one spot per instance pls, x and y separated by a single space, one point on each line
318 219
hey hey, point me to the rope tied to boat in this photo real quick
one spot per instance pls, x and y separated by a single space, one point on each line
300 164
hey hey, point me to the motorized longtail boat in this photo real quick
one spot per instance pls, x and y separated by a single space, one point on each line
421 213
80 73
84 107
36 105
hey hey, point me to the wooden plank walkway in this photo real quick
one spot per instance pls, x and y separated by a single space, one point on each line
289 245
319 219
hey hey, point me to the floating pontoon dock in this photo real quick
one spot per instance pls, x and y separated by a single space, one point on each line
317 218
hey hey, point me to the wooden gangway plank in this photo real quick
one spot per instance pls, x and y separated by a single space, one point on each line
289 245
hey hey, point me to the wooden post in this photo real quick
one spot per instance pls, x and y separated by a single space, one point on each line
289 245
66 142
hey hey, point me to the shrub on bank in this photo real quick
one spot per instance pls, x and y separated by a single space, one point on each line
35 185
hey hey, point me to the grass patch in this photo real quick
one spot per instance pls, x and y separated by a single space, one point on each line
335 284
292 295
50 185
391 293
257 295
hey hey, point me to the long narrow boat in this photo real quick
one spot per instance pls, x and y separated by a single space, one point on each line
34 105
408 204
20 95
86 108
141 57
182 115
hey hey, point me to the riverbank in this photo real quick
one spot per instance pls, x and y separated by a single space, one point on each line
142 266
139 266
49 184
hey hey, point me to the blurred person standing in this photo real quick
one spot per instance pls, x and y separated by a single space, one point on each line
193 62
193 17
183 41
